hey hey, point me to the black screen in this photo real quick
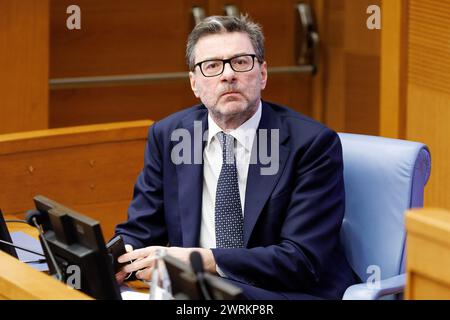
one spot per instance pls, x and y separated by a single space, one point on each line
185 286
77 243
5 236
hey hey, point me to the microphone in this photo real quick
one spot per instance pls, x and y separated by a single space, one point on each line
197 266
35 218
41 218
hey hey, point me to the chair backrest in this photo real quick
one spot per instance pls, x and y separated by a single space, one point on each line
383 178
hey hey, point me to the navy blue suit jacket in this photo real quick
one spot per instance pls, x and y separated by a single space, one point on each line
292 219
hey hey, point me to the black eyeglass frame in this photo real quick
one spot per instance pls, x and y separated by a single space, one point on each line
225 61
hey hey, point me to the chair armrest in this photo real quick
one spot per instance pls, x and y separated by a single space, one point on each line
384 287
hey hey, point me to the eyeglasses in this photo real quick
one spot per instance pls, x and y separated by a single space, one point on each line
214 67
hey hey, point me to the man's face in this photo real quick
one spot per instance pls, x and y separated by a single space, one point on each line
231 92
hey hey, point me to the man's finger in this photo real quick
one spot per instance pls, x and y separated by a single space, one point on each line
139 264
135 254
145 274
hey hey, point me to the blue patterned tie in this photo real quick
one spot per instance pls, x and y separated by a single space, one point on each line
228 210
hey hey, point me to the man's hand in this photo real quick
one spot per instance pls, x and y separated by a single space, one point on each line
143 260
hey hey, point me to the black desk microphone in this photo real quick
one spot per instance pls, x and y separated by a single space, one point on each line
34 218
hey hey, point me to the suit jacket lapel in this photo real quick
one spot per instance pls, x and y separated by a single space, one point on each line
190 181
260 187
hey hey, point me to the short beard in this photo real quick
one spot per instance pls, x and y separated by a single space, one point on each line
233 121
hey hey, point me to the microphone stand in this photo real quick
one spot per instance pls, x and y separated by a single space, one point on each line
197 267
59 275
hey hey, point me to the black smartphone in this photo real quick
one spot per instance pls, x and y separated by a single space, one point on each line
116 248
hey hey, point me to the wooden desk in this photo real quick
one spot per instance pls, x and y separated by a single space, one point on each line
18 281
428 254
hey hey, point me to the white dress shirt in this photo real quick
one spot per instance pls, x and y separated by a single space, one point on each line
212 164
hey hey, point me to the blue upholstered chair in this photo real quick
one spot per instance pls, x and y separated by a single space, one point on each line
383 178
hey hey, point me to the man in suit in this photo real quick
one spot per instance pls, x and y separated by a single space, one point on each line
268 224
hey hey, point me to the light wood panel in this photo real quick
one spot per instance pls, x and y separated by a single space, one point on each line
362 80
427 121
139 37
415 101
428 91
428 254
80 106
119 37
23 65
91 169
351 62
428 45
393 69
19 281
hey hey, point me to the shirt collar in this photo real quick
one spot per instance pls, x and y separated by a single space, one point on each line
244 134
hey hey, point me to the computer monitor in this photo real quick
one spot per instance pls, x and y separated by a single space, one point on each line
184 283
77 243
5 236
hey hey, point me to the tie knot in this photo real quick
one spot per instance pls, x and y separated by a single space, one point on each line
227 144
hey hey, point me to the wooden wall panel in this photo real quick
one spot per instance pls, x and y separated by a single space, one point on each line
427 121
428 91
351 59
90 168
362 87
139 37
122 103
119 37
155 101
334 63
393 69
428 45
23 65
293 90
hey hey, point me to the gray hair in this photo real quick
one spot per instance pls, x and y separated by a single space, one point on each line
223 24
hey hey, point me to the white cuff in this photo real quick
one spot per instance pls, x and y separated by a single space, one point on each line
220 272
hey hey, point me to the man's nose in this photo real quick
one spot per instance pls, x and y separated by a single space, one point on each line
228 73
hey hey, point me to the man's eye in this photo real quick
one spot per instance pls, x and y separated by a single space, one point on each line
212 65
241 62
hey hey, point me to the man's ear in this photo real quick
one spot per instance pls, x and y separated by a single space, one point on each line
263 75
193 84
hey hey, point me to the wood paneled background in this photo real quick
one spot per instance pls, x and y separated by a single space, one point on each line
24 27
394 85
421 102
428 90
147 37
352 67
